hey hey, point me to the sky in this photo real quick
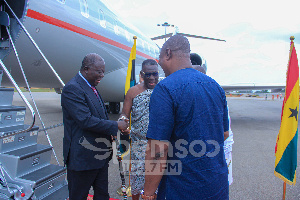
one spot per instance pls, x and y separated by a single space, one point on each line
257 33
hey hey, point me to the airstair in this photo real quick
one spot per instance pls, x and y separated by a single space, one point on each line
25 168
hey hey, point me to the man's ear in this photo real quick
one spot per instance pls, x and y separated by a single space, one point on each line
85 69
168 54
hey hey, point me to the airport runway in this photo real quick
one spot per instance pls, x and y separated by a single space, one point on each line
255 124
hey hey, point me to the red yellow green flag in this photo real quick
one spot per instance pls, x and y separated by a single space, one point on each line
286 145
130 81
130 78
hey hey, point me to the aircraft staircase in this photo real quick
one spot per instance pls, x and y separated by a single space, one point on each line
25 169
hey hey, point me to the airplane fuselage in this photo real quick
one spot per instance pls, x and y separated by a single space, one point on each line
66 31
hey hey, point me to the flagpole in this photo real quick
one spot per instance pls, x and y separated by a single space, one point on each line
284 190
291 48
286 143
130 82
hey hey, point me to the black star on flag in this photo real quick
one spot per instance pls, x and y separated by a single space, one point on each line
294 113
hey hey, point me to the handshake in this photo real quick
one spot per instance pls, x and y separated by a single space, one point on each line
123 125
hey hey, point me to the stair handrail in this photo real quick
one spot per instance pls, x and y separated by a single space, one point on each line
4 179
24 99
27 84
36 46
53 70
9 188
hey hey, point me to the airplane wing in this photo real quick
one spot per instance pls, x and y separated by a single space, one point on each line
162 36
186 35
253 86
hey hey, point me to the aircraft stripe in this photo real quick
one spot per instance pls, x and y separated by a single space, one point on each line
56 22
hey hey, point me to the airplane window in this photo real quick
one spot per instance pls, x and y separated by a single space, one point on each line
116 27
142 44
102 18
130 37
147 46
62 1
152 49
127 35
84 8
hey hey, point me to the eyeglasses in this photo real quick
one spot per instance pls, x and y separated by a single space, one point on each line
148 75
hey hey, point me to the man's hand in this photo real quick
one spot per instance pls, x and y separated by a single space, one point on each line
226 135
125 132
122 125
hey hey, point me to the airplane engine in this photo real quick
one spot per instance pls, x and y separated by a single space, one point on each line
198 60
276 90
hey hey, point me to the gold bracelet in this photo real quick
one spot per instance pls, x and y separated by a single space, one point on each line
152 197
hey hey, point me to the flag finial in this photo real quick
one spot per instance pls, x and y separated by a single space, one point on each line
292 38
134 37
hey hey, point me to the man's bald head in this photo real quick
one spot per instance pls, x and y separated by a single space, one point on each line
177 44
175 54
91 59
93 68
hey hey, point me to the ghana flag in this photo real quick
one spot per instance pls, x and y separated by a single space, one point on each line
130 81
130 78
286 145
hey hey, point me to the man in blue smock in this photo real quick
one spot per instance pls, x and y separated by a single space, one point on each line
187 128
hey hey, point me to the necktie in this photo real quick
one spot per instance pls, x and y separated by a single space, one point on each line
100 100
95 91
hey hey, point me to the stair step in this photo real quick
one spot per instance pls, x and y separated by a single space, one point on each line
41 175
6 130
4 44
25 160
60 194
6 95
20 140
29 151
12 116
50 186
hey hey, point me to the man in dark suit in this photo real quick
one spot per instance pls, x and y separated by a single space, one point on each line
88 133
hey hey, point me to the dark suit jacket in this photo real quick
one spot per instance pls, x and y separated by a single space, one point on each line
87 130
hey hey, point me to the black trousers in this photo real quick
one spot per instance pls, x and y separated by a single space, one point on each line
80 182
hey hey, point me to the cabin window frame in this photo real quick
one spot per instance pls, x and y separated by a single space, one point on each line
116 27
143 44
84 8
102 20
127 34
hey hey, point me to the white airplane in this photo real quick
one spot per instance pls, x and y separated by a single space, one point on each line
50 38
65 31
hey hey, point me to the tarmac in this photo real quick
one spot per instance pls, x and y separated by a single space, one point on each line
255 125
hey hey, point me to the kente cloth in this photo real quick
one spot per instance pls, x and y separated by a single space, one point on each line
189 110
228 151
139 128
229 141
228 157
